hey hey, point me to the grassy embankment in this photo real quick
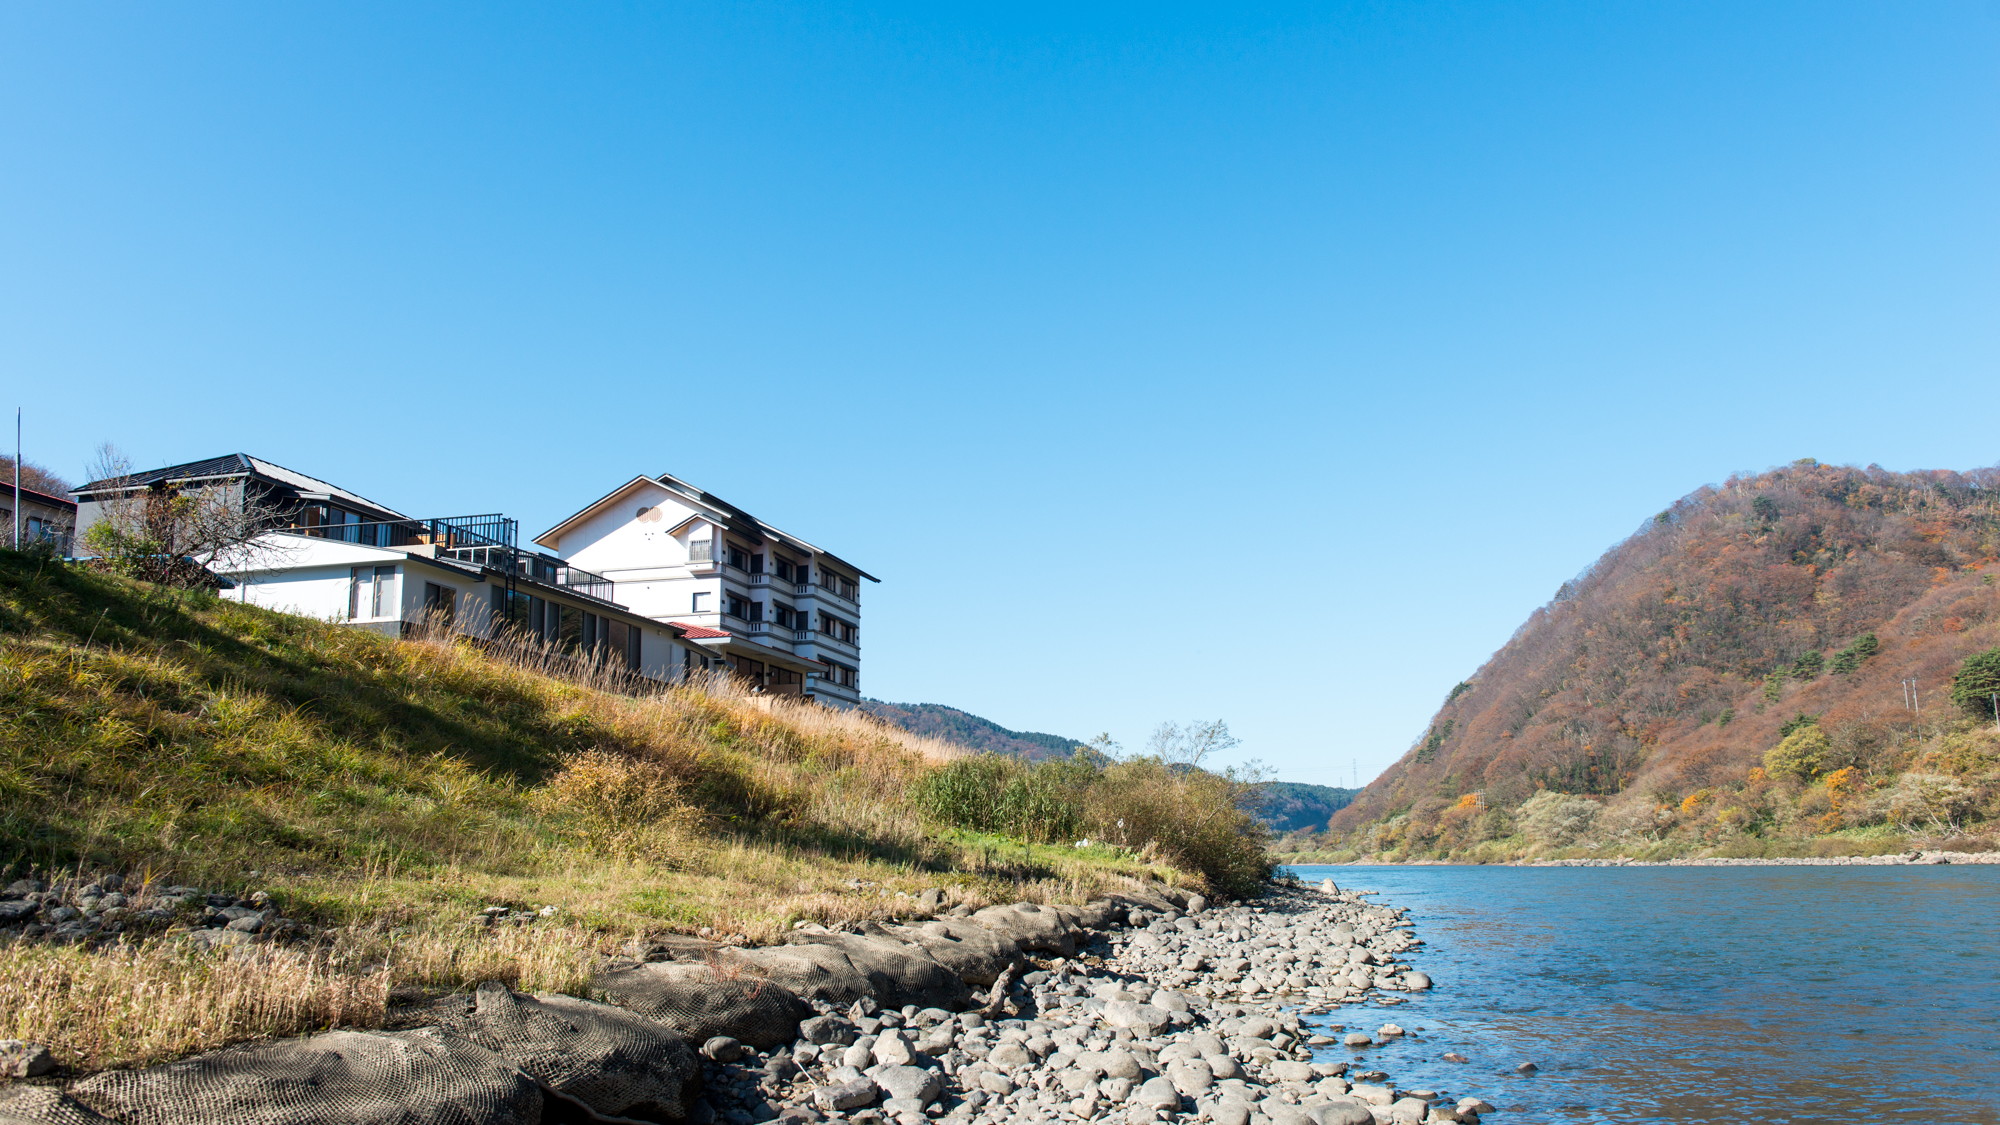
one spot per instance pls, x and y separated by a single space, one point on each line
389 790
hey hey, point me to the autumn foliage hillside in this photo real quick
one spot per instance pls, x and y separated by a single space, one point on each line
1645 697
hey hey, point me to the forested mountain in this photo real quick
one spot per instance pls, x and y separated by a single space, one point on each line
1294 806
1826 608
970 731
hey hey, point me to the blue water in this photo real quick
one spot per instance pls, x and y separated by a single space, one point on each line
1800 995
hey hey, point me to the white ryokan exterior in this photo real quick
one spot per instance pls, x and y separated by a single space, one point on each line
677 554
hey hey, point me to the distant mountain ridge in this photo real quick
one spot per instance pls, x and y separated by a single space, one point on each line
970 731
1296 806
1283 806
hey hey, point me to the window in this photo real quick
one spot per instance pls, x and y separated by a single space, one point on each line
756 611
736 605
834 627
701 550
839 674
757 563
521 612
440 603
788 570
786 616
838 583
702 601
371 593
568 627
738 557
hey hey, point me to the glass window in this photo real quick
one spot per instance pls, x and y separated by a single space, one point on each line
701 601
440 603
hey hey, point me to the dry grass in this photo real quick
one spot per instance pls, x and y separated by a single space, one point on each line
389 790
105 1007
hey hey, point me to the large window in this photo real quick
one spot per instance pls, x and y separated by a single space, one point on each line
787 617
736 605
372 593
839 674
524 613
739 557
838 583
834 627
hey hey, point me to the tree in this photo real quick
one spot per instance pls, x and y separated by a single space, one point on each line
1557 818
1802 753
1850 658
165 534
34 476
1976 683
1190 745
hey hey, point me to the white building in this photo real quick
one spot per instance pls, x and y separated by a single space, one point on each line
791 611
337 556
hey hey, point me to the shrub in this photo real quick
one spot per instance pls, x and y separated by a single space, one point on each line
1977 682
1801 754
1189 817
965 793
1557 818
1928 801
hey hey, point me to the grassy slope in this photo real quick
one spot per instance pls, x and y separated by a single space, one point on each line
392 788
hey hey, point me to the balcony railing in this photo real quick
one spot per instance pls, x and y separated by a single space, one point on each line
483 540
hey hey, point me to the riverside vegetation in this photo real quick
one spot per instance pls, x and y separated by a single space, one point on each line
1801 662
413 817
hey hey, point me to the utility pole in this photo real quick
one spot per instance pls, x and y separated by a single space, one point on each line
16 541
1995 697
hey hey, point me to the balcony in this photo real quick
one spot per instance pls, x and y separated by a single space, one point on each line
759 578
851 595
578 581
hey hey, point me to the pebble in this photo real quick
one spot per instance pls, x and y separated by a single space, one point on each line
1183 1015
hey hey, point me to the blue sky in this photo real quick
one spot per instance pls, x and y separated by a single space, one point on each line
1257 361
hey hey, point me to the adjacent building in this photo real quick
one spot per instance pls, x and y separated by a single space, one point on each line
791 611
45 519
334 555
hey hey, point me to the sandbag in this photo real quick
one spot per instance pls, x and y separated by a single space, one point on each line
421 1077
44 1105
898 972
1030 927
611 1060
816 972
1101 914
976 954
699 1003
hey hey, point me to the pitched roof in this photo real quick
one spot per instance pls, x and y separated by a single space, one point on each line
700 632
733 518
233 465
7 492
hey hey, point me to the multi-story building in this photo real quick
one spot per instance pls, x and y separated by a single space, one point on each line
677 554
331 554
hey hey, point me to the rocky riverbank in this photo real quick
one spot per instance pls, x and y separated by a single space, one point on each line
1189 1013
1148 1007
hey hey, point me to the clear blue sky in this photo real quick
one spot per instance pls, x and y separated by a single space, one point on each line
1255 361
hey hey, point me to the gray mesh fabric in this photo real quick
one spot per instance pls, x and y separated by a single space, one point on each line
898 973
699 1004
611 1060
1030 927
976 954
43 1105
422 1077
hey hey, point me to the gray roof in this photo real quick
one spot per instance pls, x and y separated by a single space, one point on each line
235 465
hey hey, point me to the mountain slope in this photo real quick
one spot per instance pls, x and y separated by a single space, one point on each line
1652 686
970 731
1296 806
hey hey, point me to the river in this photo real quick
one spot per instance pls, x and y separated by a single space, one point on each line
1799 995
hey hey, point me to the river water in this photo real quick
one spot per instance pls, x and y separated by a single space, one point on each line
1800 995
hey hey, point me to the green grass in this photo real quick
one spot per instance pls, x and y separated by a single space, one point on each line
392 788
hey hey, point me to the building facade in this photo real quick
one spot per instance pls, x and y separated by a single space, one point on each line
46 521
336 556
677 554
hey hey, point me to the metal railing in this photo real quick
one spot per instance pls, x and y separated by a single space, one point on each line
487 540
